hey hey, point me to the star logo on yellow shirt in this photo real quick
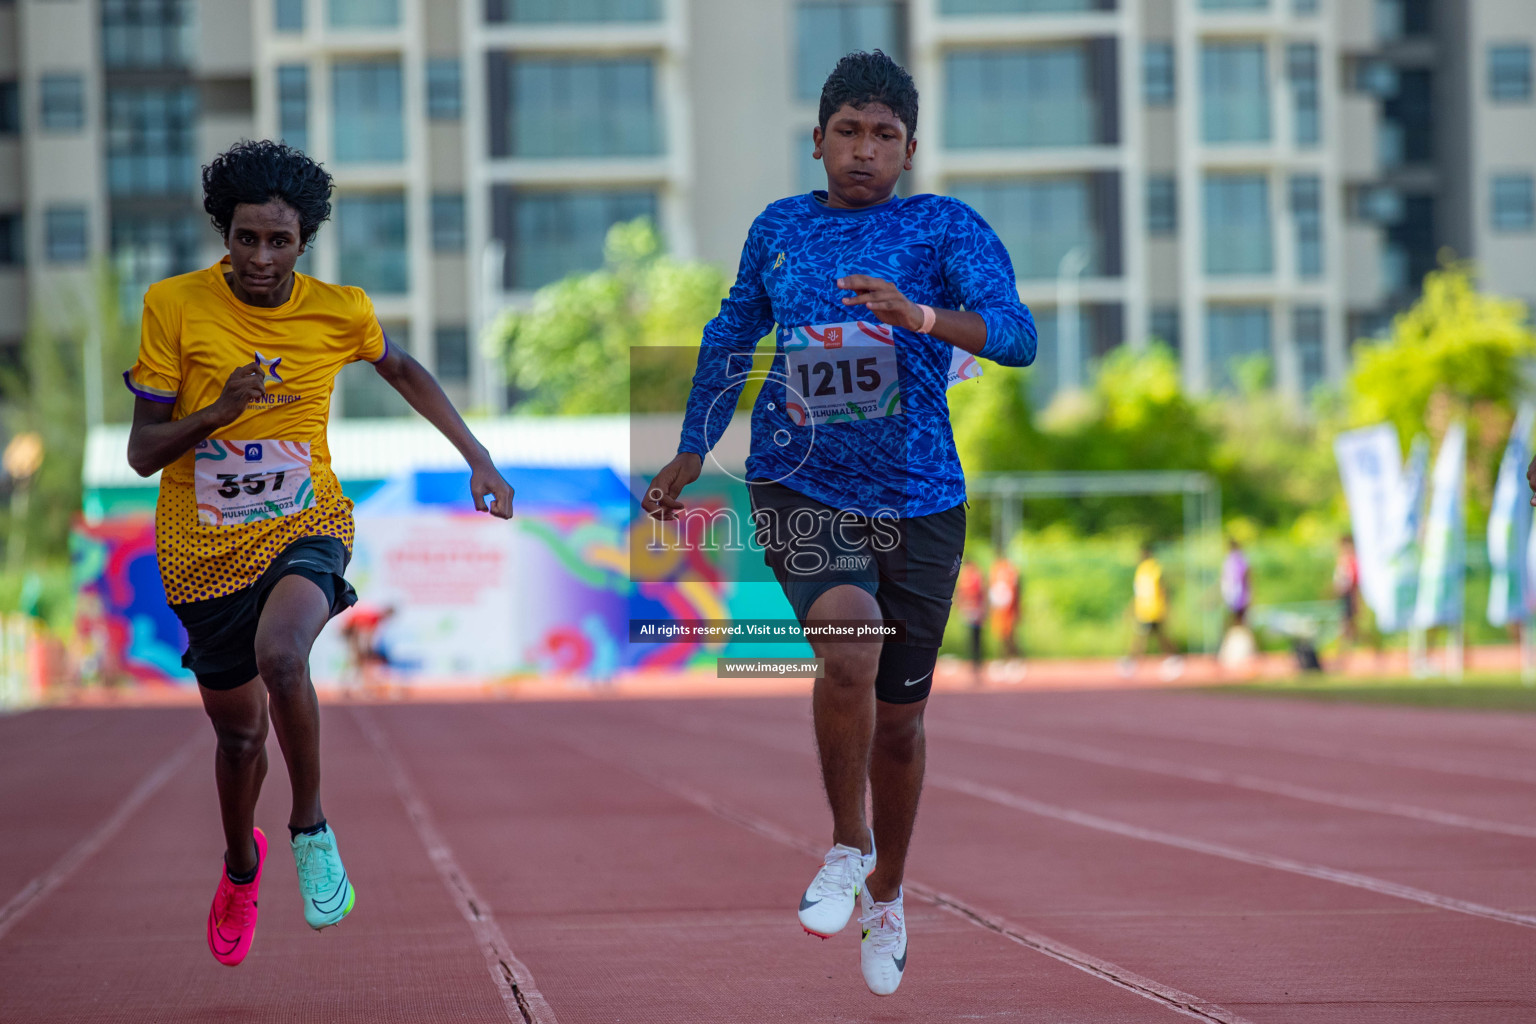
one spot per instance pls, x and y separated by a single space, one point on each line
269 369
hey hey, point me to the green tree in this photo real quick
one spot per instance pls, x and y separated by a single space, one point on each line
1456 352
570 351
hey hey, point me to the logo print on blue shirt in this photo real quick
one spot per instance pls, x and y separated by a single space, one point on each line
253 453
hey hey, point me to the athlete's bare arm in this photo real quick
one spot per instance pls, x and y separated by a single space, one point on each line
661 497
425 395
960 328
155 440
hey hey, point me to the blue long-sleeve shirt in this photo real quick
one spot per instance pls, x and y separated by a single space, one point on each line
855 417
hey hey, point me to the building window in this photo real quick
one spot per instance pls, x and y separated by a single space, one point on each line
1307 336
1233 335
443 89
1165 326
364 13
1024 6
497 11
1406 133
452 348
1042 96
1301 69
1234 92
63 102
1307 214
10 108
1234 5
1162 204
1400 19
550 234
150 249
1302 8
1157 77
366 98
371 247
13 244
151 141
68 240
293 105
1509 72
147 33
288 15
1038 220
825 31
448 222
1237 235
574 107
1513 202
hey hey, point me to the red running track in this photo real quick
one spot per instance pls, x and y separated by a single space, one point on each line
1080 857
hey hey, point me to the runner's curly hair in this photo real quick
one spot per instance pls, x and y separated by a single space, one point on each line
863 78
257 172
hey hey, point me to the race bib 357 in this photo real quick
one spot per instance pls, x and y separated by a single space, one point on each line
241 482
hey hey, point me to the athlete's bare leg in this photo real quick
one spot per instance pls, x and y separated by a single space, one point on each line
294 614
239 719
897 758
843 705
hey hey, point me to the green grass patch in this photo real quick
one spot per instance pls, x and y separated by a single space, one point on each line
1483 692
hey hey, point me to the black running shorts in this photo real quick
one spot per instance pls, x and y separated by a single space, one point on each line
221 631
909 565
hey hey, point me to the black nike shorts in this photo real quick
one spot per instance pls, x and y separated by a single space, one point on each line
221 631
909 565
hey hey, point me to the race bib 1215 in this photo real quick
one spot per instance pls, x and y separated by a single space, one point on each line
839 373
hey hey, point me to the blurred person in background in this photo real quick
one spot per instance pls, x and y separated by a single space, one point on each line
1005 597
1346 587
1237 643
971 596
253 535
1236 590
1149 609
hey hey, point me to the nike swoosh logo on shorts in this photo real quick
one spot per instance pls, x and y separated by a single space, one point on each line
914 682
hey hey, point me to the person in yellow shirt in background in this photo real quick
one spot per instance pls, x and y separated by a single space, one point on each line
1149 607
234 377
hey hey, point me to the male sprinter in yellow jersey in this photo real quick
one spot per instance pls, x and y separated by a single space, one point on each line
234 378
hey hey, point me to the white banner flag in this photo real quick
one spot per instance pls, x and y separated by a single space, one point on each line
1403 543
1509 526
1442 577
1371 465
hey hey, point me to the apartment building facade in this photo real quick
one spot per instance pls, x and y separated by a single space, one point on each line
1235 177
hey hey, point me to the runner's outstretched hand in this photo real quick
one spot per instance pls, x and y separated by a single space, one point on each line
884 300
485 480
248 382
660 500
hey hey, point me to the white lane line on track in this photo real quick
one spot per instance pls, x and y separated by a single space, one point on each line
35 891
1022 803
1220 777
1380 886
525 1004
1166 996
1323 750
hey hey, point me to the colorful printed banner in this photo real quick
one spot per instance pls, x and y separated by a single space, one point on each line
1442 577
1509 526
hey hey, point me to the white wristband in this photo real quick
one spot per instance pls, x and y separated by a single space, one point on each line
929 318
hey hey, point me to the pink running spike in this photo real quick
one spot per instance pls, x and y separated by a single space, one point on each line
232 918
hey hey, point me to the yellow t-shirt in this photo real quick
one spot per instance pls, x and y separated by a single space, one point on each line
216 533
1151 602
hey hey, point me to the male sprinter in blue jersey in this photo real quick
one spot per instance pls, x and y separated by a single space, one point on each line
856 489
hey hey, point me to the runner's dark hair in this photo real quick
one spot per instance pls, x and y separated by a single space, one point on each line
863 78
257 172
